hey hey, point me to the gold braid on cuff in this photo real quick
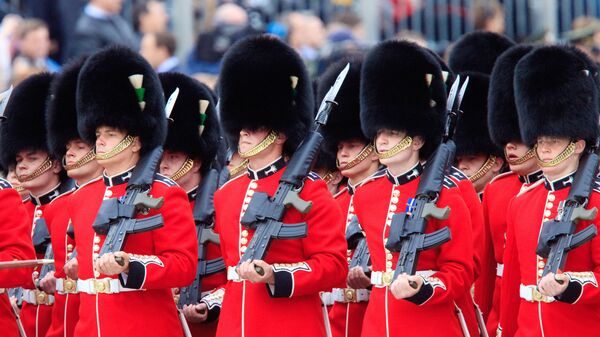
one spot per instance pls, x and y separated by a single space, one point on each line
88 157
362 155
528 155
269 139
238 169
125 143
566 153
401 146
485 168
45 166
183 170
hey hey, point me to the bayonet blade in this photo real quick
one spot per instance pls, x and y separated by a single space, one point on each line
461 94
333 91
452 94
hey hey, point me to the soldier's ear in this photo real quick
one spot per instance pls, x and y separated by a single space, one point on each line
417 143
56 166
579 146
197 166
498 165
137 144
281 138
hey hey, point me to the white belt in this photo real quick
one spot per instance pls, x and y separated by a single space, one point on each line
66 286
37 297
385 278
326 298
350 295
232 274
532 294
102 286
499 269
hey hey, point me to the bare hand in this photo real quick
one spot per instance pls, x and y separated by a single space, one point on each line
401 287
549 285
107 265
71 268
195 313
247 272
357 278
48 283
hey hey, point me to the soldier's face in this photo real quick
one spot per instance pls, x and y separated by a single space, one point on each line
386 139
347 151
549 148
12 179
171 161
471 164
109 137
76 150
515 150
250 138
28 161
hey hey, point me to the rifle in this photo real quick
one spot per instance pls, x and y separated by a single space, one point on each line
558 236
356 240
264 214
24 263
407 231
204 211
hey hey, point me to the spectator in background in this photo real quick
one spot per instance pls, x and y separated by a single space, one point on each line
33 49
101 25
489 16
159 50
150 16
585 36
307 35
345 36
8 41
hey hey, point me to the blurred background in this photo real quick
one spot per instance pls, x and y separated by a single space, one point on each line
191 36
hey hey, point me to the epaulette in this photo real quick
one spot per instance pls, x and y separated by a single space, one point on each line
502 176
457 174
340 192
164 179
449 183
375 177
530 187
4 184
596 186
313 176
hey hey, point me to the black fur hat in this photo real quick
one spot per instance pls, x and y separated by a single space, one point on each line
503 121
395 93
478 51
344 119
185 133
264 83
556 94
106 96
449 75
61 112
472 136
24 127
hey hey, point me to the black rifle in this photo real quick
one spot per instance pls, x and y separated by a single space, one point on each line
558 236
265 214
116 217
356 240
407 231
204 211
42 244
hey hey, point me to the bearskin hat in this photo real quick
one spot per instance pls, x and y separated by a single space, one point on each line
402 88
192 131
556 94
344 120
264 83
472 136
106 96
503 121
25 127
447 73
61 112
477 51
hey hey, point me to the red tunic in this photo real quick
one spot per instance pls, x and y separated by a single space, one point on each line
160 259
302 267
575 312
15 244
434 306
497 196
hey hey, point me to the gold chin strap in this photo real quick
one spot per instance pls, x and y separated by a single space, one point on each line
362 155
328 177
269 139
125 143
88 157
485 168
566 153
528 155
183 170
401 146
19 189
45 166
238 169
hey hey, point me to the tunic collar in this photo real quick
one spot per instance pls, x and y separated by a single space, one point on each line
47 197
405 177
118 179
559 183
268 170
532 177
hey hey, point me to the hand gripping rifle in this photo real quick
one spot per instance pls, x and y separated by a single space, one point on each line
558 236
356 240
204 211
407 231
265 214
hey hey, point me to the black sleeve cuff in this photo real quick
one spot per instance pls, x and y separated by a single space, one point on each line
571 294
135 276
424 294
213 314
284 284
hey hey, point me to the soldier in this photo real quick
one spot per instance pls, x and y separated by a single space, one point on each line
406 124
79 161
556 94
503 125
120 108
191 146
357 161
267 104
25 147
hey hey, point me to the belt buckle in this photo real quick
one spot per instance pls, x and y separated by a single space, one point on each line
101 286
69 286
41 297
350 295
538 297
387 278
